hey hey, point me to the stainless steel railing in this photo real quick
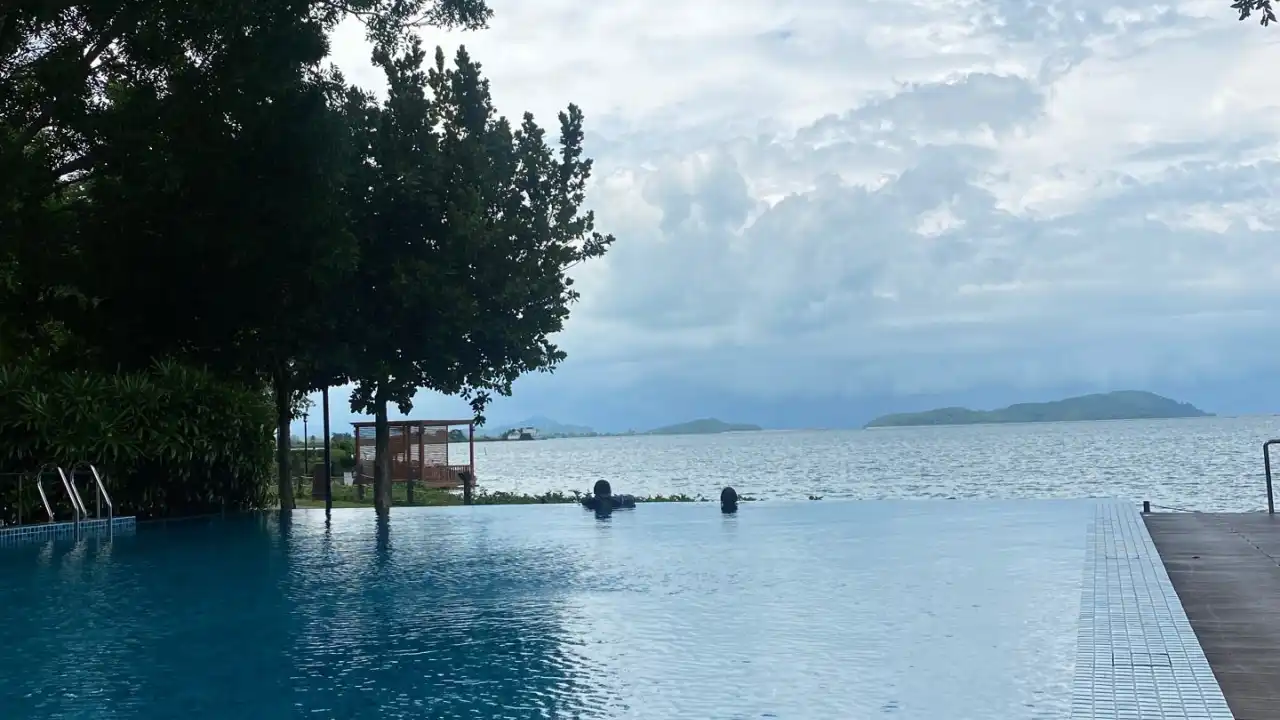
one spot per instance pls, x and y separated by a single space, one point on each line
1266 464
44 497
101 496
77 505
20 507
79 510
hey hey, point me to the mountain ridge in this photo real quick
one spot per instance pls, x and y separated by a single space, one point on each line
1115 405
703 426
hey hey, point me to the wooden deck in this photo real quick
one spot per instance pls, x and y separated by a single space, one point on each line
1226 570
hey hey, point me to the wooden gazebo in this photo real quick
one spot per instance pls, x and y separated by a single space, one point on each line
419 455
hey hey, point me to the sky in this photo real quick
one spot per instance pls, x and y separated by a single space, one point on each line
826 210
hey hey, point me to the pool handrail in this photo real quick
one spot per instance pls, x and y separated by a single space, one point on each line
48 506
101 496
75 490
102 491
1266 465
44 498
79 509
77 504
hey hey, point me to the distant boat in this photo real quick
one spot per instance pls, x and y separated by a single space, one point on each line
524 433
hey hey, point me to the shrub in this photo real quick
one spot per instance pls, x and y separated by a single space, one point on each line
171 441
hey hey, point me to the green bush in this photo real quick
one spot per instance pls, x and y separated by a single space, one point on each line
172 441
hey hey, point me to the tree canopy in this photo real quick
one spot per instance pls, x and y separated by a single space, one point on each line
187 181
466 228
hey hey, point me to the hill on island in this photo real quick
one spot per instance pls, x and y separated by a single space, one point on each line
705 426
1119 405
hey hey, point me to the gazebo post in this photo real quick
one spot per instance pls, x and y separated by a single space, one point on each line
471 463
422 455
359 465
406 442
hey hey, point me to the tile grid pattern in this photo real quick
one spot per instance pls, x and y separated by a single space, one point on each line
1137 657
41 532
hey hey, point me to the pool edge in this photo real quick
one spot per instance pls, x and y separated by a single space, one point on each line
94 527
1137 654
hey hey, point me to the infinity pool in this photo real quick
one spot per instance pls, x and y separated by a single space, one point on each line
822 610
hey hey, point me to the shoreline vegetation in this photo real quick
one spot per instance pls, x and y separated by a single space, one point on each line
1118 405
345 496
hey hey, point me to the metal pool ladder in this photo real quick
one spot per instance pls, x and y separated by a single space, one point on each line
79 510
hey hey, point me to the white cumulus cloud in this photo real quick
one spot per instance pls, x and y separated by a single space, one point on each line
842 198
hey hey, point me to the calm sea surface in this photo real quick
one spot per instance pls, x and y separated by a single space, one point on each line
1201 463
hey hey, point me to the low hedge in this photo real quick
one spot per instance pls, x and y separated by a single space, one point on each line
172 441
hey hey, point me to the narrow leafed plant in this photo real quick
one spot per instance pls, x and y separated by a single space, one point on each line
172 440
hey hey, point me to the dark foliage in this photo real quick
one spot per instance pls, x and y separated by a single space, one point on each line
186 182
466 228
170 441
1247 8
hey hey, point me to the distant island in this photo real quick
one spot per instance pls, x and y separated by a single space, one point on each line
1119 405
705 426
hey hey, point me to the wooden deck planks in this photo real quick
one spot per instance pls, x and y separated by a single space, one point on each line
1226 571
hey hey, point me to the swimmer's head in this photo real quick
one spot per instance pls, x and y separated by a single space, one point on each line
728 499
602 489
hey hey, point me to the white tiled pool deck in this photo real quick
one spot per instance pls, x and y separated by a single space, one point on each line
1137 657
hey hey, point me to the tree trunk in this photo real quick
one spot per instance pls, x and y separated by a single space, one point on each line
382 457
284 416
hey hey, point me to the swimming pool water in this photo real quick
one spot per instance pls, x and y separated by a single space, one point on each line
921 610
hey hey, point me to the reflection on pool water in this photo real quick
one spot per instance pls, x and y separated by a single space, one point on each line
929 610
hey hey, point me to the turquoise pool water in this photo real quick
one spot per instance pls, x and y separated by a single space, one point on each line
928 610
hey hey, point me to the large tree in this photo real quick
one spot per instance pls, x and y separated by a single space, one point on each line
170 173
466 227
189 150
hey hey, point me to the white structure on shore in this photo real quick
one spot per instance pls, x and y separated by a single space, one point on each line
524 433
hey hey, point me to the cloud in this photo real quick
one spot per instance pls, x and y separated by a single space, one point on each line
841 200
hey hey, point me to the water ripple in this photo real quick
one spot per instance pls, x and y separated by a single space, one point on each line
920 610
792 610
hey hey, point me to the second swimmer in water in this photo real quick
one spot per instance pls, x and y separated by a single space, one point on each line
603 501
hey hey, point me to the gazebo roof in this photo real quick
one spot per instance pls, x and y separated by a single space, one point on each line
414 423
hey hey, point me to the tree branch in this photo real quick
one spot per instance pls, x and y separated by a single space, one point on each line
85 65
1247 8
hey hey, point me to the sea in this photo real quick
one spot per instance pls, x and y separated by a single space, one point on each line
1206 464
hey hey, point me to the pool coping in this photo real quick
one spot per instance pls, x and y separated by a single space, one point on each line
1137 655
42 532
